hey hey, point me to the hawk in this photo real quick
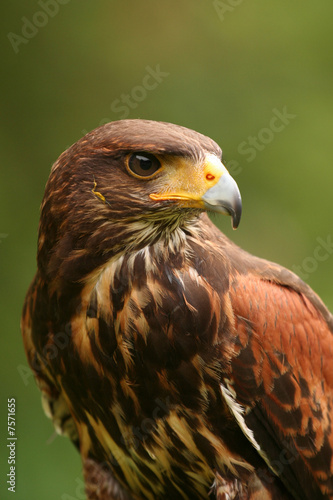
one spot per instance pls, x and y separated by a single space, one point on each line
181 366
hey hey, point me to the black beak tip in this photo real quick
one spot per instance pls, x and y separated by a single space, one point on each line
236 213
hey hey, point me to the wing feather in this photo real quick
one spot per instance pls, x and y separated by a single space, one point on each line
282 374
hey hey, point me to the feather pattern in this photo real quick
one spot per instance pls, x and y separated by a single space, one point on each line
181 366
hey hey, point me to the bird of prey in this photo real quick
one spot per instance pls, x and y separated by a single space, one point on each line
181 366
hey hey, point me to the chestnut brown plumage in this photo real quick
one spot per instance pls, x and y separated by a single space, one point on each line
181 366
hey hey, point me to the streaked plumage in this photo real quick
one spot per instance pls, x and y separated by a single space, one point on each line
181 366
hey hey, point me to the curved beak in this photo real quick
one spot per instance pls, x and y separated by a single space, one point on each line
224 197
207 186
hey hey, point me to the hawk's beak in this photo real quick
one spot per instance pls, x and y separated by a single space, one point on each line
225 198
210 186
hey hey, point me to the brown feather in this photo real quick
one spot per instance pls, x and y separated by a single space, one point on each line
180 365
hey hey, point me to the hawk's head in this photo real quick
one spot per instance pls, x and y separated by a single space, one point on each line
125 185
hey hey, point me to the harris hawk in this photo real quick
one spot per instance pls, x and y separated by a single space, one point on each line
181 366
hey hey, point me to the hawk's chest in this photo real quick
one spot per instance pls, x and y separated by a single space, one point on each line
152 331
146 341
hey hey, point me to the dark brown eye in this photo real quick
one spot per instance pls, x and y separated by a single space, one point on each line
143 164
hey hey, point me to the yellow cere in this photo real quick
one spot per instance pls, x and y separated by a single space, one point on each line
213 170
189 181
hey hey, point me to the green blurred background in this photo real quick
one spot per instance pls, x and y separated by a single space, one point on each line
225 69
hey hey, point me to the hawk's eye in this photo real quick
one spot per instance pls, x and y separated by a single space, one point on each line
143 164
